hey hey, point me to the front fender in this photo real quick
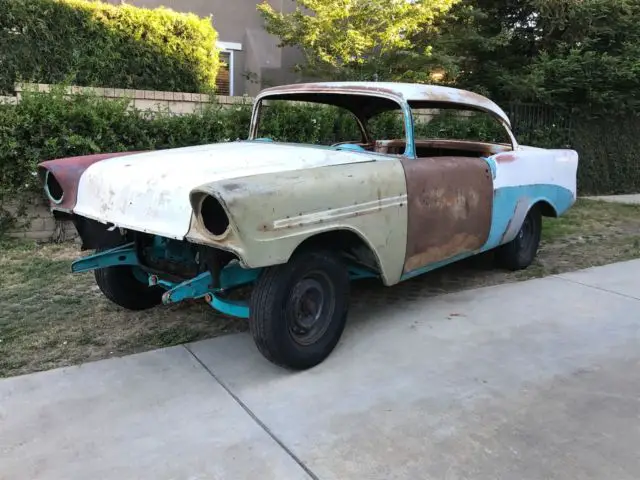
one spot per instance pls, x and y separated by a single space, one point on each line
67 172
271 214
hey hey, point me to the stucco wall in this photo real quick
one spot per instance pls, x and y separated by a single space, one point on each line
238 21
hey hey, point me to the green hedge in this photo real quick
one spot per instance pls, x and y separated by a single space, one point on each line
47 126
609 160
97 44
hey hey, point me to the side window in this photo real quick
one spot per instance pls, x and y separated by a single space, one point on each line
300 122
387 126
457 124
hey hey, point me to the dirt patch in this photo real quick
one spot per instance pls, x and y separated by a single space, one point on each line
51 318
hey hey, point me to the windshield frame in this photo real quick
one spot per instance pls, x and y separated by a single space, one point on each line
362 106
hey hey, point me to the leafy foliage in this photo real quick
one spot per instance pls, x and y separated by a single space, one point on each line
344 38
578 55
462 125
91 43
287 121
581 55
47 126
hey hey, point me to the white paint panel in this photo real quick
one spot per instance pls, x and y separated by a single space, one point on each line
536 166
149 192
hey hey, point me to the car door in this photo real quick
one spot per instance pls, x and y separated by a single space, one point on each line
450 201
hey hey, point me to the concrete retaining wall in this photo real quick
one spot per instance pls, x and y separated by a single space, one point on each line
177 103
38 223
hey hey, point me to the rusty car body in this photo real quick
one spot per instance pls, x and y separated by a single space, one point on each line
297 222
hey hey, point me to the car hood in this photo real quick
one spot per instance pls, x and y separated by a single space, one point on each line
149 192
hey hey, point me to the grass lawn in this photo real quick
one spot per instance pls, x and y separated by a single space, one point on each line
51 318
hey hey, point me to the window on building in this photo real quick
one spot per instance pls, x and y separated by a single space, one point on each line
225 80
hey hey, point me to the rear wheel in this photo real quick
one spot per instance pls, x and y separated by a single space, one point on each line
299 309
120 285
520 252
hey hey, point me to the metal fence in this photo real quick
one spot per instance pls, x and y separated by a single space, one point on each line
540 124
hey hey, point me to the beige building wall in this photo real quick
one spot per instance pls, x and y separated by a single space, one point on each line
240 29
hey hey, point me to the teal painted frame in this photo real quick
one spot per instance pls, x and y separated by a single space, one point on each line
200 287
119 256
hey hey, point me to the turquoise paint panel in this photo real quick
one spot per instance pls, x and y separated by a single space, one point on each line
350 147
197 287
436 265
119 256
234 275
359 273
492 166
504 204
231 276
230 307
506 199
410 149
153 280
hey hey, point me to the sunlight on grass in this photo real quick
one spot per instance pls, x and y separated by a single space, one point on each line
588 217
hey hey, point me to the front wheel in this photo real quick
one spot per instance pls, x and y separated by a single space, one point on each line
299 309
120 285
520 252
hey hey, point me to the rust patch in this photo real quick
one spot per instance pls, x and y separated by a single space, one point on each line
68 171
450 200
481 148
323 88
434 148
505 157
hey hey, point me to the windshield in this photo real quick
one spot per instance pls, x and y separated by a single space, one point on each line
308 123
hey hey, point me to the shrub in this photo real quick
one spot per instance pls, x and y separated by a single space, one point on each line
91 43
608 149
46 126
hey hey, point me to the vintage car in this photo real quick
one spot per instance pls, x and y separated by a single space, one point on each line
293 223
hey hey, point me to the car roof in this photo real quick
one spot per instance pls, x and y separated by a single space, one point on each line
414 93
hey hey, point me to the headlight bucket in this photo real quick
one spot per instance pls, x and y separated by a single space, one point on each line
52 188
213 216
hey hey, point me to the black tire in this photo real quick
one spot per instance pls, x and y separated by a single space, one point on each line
299 309
520 252
120 285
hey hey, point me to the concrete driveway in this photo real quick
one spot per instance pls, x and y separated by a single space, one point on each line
534 380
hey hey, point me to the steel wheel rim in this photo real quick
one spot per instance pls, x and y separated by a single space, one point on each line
310 307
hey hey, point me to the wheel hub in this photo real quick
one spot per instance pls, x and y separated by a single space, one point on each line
309 308
307 302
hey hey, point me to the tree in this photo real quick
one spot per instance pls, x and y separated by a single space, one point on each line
589 56
579 54
352 38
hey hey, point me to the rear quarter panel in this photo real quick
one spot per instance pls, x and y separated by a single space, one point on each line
272 214
525 177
